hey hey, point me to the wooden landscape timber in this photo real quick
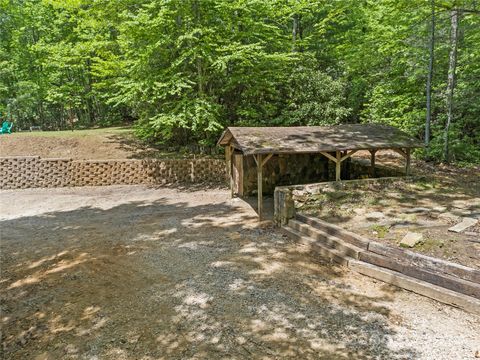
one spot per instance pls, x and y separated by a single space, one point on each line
434 292
438 279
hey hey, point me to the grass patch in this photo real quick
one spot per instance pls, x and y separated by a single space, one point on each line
76 133
381 230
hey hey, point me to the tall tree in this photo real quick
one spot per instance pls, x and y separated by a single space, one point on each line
454 18
182 70
430 75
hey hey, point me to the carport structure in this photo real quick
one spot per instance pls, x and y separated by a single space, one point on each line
337 143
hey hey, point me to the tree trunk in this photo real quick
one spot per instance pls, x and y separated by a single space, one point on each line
294 32
430 75
451 77
198 61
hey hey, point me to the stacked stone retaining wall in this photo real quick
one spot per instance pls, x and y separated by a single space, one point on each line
34 172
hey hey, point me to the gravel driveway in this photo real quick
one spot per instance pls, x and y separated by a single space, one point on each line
131 272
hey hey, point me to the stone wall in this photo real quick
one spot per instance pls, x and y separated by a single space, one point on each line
300 169
289 198
32 171
284 170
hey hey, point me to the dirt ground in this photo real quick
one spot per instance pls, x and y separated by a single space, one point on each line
99 144
387 212
131 272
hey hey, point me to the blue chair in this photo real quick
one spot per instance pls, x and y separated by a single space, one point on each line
6 128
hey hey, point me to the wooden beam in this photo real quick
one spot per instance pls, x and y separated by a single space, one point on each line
259 161
228 160
347 155
401 152
266 159
328 156
372 162
338 164
343 156
407 162
237 173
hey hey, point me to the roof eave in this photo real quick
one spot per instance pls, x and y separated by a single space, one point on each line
222 141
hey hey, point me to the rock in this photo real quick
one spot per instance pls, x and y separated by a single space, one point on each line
409 218
448 216
375 215
359 211
466 223
462 212
234 235
411 239
417 210
475 215
440 209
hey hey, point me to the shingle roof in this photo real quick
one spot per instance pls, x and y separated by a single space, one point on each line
312 139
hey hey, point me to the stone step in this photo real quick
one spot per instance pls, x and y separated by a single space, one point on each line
316 246
326 239
334 230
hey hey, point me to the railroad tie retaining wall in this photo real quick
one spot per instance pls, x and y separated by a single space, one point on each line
438 279
33 171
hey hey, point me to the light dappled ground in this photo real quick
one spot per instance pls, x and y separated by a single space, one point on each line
130 272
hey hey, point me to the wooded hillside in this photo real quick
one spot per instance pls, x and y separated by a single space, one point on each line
182 70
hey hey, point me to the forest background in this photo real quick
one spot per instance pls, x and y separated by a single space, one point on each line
181 71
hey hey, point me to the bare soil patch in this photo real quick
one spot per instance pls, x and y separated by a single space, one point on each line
430 206
130 272
99 144
387 212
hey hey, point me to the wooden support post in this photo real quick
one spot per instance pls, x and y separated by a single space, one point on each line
259 159
228 160
407 162
340 156
338 164
401 152
372 162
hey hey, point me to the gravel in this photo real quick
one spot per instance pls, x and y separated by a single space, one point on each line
131 272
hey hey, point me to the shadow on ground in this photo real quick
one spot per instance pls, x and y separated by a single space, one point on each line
173 279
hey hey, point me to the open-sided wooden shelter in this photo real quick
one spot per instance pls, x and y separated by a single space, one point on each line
336 143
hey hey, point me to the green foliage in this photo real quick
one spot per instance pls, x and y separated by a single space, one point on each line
314 98
184 70
380 230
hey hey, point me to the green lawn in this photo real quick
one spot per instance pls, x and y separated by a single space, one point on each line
77 133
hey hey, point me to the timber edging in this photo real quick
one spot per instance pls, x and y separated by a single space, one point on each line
441 280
